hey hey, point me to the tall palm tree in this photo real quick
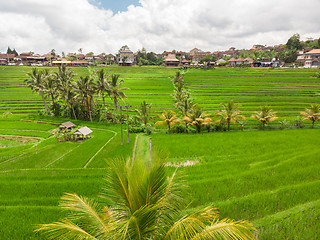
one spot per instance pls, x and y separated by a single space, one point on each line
230 113
177 80
185 107
312 114
196 117
50 85
86 88
143 113
180 94
145 204
265 116
102 87
116 91
169 118
36 81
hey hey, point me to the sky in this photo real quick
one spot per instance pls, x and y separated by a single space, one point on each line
157 25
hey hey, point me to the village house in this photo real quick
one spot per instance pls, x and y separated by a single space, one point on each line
126 57
171 61
196 55
312 58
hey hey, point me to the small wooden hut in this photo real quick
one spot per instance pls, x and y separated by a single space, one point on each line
82 133
67 126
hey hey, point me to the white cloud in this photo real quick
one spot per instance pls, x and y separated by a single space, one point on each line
67 25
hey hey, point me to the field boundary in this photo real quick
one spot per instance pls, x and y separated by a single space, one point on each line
90 160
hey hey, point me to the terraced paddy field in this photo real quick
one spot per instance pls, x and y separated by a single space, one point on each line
287 91
271 178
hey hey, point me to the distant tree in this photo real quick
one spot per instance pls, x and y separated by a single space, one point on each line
312 114
169 118
293 42
319 43
230 113
102 86
80 50
9 51
197 118
208 58
143 113
123 48
265 116
36 81
116 91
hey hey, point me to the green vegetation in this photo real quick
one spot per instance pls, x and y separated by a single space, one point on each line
142 203
270 178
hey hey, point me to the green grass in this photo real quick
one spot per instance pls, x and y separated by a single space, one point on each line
271 177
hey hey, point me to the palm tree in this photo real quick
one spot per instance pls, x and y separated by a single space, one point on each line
180 94
102 87
177 80
169 118
36 81
50 85
145 204
185 107
230 113
265 116
86 89
196 117
312 114
115 90
143 113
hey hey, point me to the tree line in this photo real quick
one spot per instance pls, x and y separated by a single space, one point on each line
193 115
65 96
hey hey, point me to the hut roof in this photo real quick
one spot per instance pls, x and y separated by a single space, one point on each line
232 60
248 59
221 61
185 61
83 131
67 125
171 58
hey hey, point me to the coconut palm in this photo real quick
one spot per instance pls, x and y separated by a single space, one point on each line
185 107
229 114
64 78
196 117
143 113
265 116
102 87
36 81
86 88
145 204
180 94
169 118
116 91
312 114
177 80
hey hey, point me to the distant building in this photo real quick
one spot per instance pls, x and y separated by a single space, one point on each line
126 57
312 58
171 61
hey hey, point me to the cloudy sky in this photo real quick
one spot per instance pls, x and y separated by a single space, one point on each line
157 25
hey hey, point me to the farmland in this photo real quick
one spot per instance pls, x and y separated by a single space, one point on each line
269 177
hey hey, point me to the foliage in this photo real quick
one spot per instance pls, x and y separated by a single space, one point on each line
143 114
230 113
145 204
312 114
197 118
265 116
293 42
169 118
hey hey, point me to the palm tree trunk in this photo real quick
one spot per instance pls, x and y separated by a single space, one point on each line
104 105
45 104
169 128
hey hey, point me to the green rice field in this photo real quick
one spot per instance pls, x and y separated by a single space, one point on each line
269 177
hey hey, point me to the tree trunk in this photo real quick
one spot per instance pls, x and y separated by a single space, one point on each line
105 109
187 128
45 104
169 128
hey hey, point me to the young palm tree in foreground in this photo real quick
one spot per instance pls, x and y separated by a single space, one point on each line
265 116
145 204
312 114
230 113
168 118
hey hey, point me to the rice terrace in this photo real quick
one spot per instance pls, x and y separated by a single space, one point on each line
269 175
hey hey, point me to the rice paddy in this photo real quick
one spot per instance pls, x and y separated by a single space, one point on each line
271 177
